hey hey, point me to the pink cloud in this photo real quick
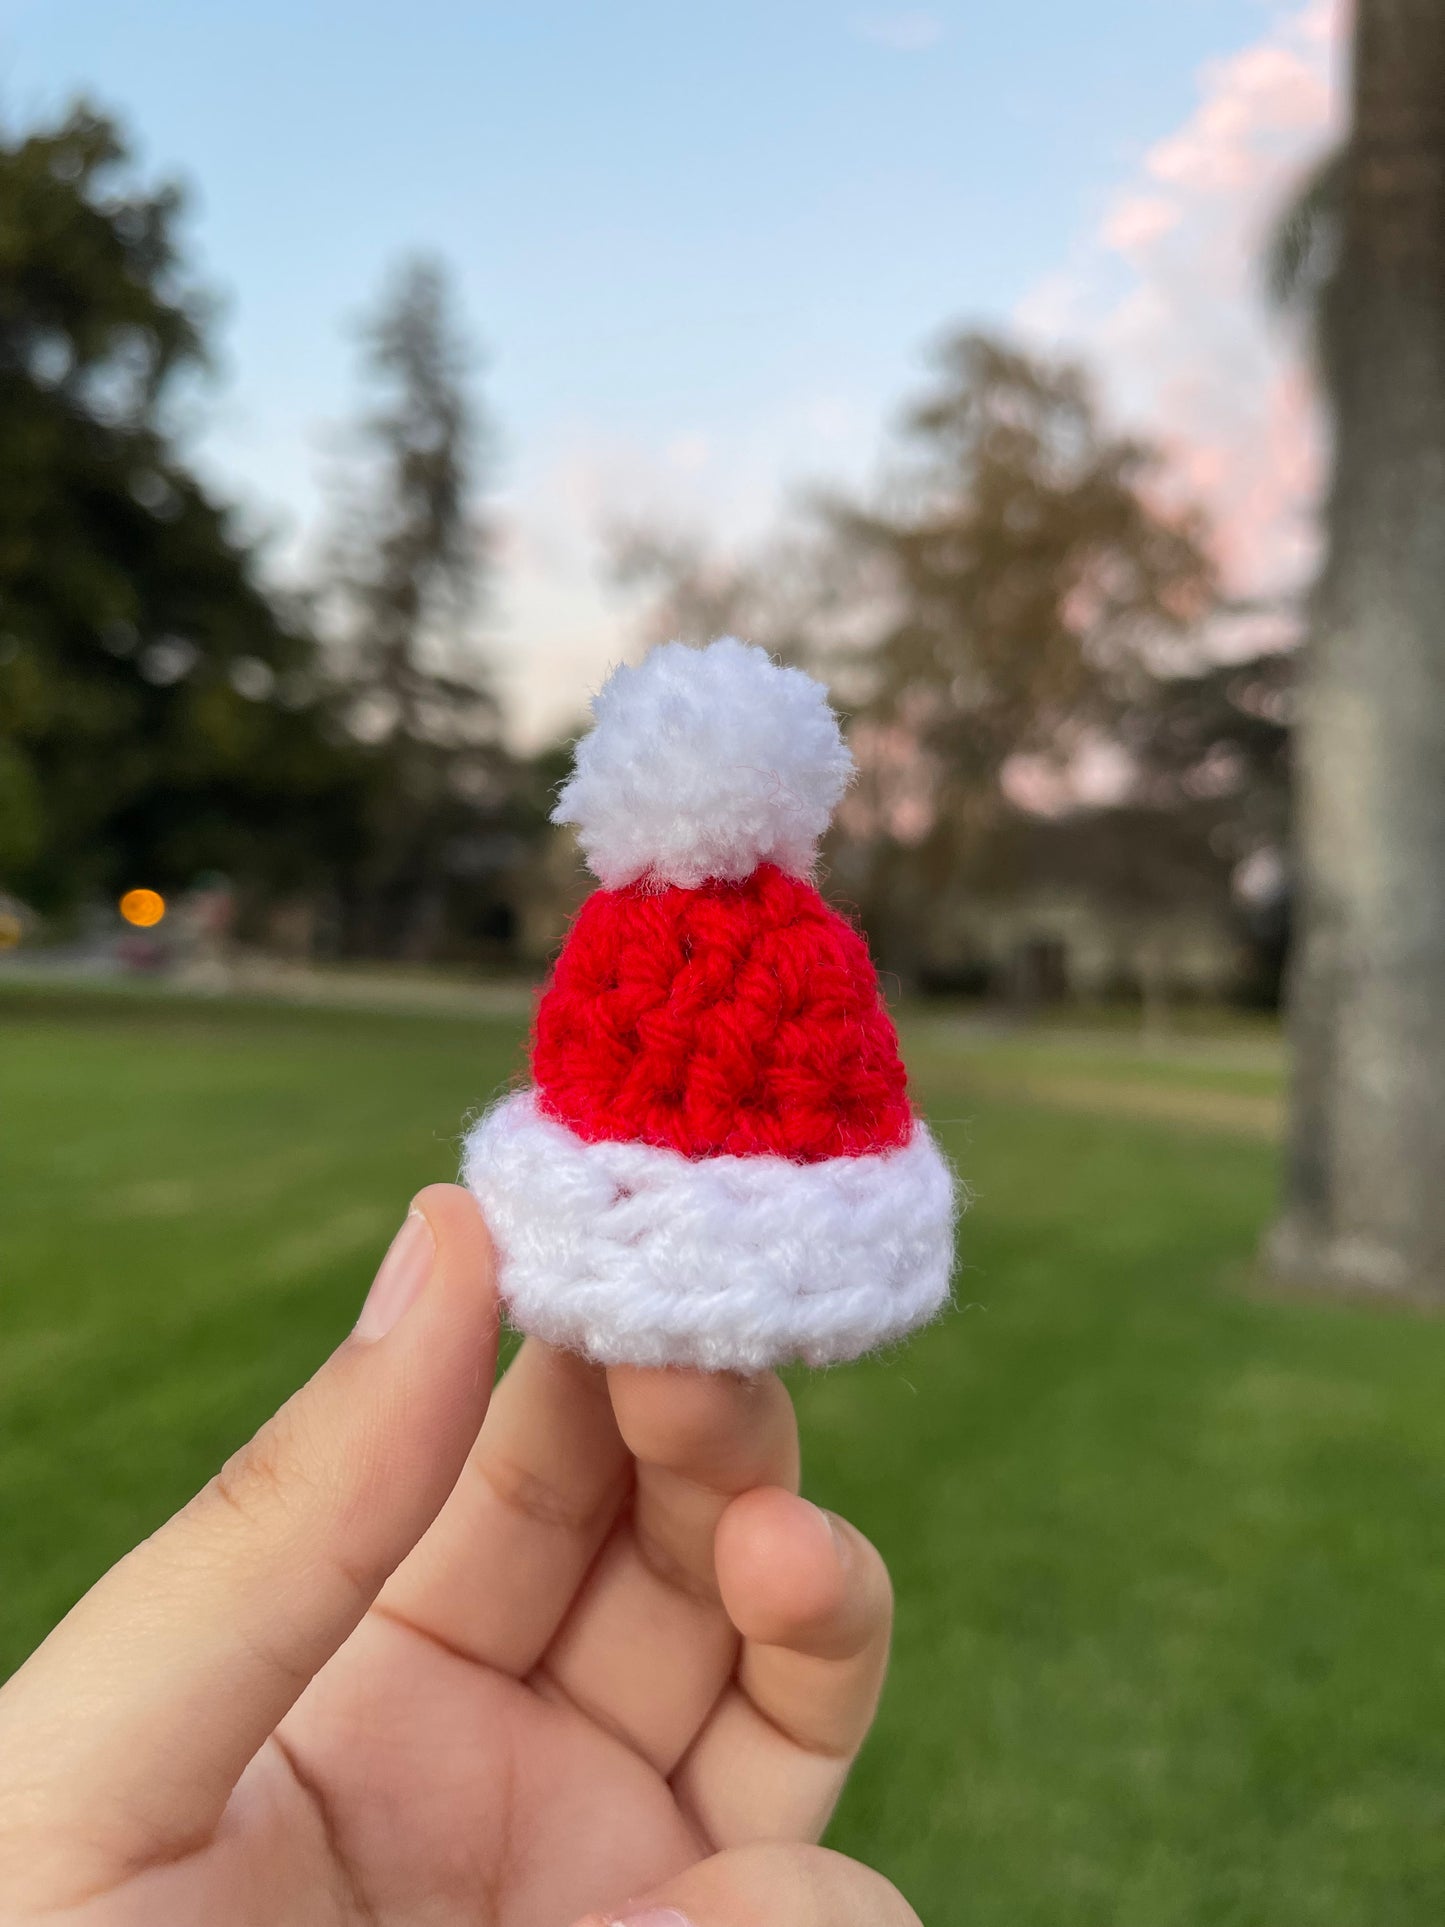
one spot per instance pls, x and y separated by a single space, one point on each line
1166 297
1136 220
1319 22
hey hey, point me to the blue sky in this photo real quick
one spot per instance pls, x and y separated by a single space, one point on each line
704 245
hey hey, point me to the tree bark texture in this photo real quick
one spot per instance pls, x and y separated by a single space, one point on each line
1365 1203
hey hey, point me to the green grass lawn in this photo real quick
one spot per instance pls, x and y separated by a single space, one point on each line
1170 1555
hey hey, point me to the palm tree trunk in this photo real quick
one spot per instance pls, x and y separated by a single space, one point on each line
1365 1202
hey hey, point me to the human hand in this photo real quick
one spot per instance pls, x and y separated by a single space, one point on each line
394 1665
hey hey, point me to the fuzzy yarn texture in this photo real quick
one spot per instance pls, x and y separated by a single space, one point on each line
736 1019
718 1165
631 1254
703 764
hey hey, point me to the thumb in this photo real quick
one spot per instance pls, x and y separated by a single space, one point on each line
130 1726
769 1885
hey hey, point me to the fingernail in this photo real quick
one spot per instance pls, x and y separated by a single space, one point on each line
397 1285
653 1917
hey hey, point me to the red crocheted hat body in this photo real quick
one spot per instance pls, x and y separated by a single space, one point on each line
734 1019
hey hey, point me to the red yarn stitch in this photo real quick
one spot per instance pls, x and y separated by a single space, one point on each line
736 1018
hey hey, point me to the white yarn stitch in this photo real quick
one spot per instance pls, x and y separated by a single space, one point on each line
705 763
633 1254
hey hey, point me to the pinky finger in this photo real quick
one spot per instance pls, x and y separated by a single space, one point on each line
812 1601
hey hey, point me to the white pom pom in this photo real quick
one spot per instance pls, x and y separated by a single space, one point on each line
705 763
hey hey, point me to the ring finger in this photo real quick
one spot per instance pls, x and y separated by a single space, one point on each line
812 1600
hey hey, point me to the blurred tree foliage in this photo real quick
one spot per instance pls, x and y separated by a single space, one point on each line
1018 596
156 708
1215 742
1027 578
1028 591
446 809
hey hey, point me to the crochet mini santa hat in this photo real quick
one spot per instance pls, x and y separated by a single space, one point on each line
718 1165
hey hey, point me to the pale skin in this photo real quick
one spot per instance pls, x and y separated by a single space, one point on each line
426 1655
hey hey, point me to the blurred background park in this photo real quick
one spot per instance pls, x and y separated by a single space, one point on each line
1067 387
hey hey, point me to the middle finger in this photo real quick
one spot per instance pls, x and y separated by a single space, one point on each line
648 1647
497 1572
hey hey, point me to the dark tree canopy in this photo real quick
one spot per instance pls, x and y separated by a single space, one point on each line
141 738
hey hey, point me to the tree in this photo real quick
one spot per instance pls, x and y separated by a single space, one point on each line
1015 594
1214 744
409 568
1026 589
1364 1203
154 714
1209 752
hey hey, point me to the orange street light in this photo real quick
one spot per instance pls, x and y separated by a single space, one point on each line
143 908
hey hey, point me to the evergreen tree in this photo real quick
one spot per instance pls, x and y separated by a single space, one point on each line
409 570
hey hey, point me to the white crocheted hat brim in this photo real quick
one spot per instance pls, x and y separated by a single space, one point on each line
635 1255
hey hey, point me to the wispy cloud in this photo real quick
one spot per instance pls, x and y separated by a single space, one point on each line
909 32
559 623
1165 294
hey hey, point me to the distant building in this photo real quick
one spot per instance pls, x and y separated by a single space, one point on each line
1102 904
